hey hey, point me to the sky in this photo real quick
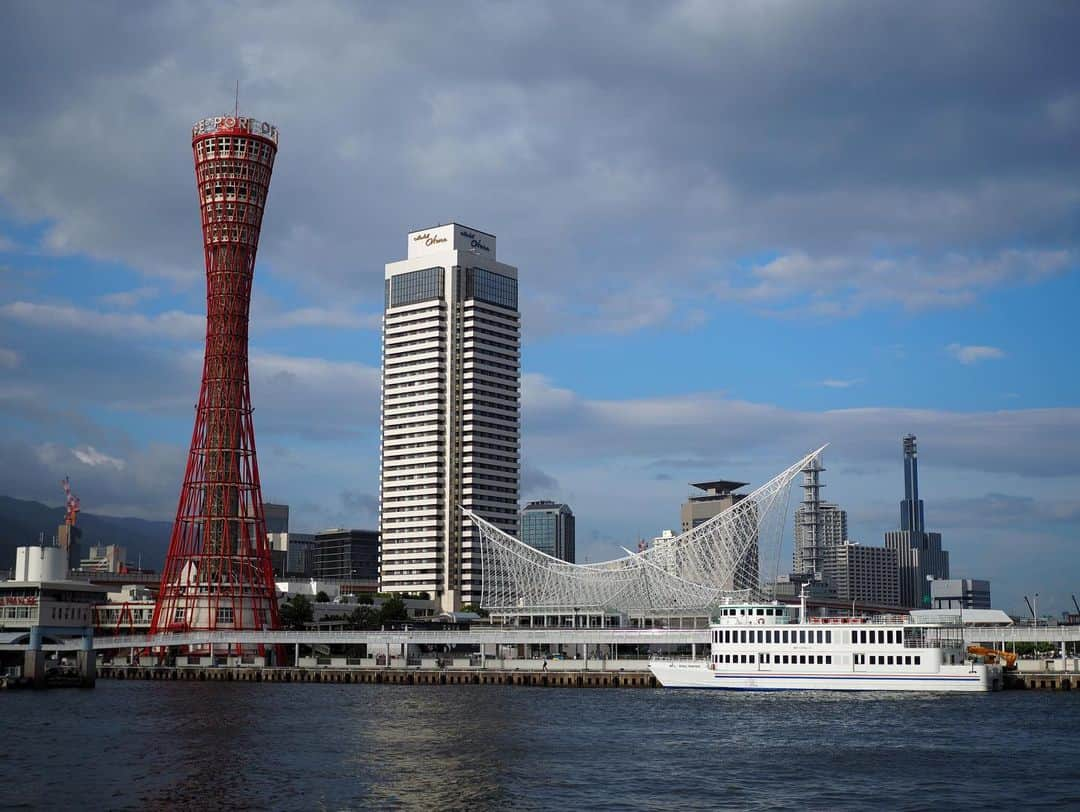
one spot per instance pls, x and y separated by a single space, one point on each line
743 230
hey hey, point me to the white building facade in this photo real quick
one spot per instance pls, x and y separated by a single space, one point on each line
450 414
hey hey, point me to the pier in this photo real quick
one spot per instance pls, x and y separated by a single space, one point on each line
386 676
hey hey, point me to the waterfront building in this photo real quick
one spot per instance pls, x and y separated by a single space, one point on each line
345 555
919 553
39 604
549 527
959 593
720 495
862 574
450 411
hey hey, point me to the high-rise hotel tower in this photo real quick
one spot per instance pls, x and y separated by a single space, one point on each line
450 411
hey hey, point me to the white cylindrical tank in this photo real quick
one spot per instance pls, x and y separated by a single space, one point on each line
40 564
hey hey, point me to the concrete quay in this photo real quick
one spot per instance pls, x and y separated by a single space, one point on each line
563 678
1041 681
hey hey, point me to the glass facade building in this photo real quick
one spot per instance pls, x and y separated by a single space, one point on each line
549 528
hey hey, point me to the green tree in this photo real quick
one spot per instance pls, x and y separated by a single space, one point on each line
322 597
364 617
393 611
475 609
297 612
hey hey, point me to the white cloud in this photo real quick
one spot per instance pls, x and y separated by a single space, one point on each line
89 455
324 317
974 353
128 298
838 383
846 285
9 359
173 324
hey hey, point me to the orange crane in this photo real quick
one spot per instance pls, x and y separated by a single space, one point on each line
71 503
1008 658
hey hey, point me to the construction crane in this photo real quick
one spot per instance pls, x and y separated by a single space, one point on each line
992 655
71 503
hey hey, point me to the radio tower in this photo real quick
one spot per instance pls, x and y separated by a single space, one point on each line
218 571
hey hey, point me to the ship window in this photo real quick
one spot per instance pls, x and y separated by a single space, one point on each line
828 636
761 611
890 660
751 658
820 636
828 659
760 636
907 659
918 659
802 636
888 636
768 636
784 634
742 636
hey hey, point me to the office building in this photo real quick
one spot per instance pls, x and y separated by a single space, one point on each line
292 554
105 558
720 495
277 517
342 554
959 593
450 411
862 574
549 527
919 554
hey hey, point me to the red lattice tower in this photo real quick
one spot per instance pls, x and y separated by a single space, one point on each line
218 572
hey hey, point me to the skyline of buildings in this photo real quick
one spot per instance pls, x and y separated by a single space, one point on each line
450 411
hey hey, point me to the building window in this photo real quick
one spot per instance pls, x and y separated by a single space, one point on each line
491 287
416 286
178 615
225 614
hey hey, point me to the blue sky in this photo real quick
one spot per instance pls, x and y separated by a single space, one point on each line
743 230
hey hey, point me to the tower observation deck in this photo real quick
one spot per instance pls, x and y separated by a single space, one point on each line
218 572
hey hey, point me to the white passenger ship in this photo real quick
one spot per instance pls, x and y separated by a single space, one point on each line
773 647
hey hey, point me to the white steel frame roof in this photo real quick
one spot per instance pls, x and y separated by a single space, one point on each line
713 562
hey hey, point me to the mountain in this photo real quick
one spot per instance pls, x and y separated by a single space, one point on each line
22 522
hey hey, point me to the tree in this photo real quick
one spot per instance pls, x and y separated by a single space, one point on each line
322 597
297 612
475 609
393 611
364 617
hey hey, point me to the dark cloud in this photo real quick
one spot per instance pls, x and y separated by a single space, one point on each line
537 484
858 146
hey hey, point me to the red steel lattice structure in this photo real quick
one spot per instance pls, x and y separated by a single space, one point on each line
218 573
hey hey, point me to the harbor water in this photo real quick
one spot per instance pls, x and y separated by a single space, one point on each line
138 745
